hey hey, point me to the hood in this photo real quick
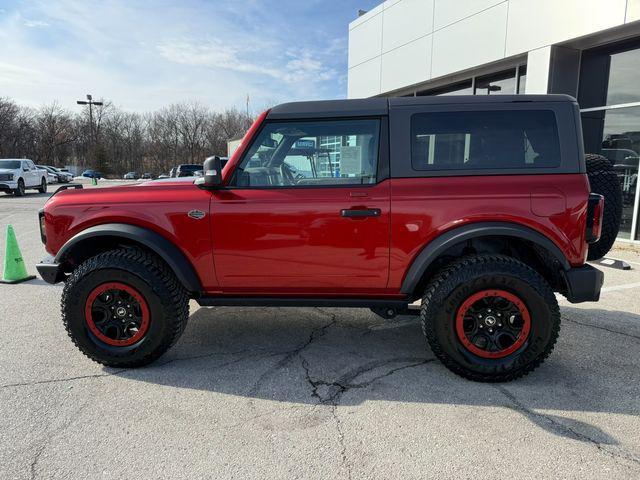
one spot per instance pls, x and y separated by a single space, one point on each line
8 170
163 182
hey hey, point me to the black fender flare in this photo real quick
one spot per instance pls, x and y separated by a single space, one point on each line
467 232
165 249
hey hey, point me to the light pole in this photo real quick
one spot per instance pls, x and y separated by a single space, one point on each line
89 101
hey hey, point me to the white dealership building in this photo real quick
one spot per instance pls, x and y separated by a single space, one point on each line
589 49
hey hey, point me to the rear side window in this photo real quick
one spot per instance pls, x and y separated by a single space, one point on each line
491 140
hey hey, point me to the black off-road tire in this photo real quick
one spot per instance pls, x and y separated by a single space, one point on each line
462 279
595 162
165 296
20 190
604 181
43 186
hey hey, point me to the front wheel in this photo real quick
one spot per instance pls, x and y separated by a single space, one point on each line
124 308
490 318
43 186
20 189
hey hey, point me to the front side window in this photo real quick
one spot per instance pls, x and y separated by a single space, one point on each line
323 152
515 139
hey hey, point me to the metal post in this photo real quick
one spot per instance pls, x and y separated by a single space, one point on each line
91 103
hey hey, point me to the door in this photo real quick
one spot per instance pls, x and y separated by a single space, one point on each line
30 174
305 212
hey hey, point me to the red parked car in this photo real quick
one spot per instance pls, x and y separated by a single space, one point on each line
479 206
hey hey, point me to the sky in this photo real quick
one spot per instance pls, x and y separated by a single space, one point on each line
143 55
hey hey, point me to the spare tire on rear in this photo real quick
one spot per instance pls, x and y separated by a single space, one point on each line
604 181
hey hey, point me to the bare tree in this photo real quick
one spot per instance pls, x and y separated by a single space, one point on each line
117 141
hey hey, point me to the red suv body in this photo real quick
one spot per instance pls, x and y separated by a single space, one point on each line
365 203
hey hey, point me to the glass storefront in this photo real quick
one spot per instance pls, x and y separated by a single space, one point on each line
610 99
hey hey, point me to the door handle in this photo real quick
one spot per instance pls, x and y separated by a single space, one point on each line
360 212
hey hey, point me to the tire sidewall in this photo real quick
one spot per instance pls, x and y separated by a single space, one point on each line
159 324
20 190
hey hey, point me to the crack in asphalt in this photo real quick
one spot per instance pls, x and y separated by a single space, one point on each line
289 355
62 380
597 327
564 430
33 464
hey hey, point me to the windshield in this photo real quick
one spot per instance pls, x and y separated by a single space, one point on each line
190 168
12 164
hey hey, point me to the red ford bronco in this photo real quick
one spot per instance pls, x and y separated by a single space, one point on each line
479 206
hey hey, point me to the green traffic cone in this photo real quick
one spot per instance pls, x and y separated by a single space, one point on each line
94 181
14 268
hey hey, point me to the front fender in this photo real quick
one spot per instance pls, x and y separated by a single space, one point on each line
169 252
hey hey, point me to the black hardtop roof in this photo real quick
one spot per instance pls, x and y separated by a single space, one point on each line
380 105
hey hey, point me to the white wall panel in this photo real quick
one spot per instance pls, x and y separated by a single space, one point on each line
473 41
365 40
406 65
449 11
538 62
405 21
633 10
533 24
364 79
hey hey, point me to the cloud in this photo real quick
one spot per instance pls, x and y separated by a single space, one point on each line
301 65
35 23
144 55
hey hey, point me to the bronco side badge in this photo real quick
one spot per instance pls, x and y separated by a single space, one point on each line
197 214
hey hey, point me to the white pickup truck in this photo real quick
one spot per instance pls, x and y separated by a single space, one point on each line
18 174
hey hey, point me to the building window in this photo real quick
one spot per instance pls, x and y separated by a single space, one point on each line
522 79
462 88
609 95
497 84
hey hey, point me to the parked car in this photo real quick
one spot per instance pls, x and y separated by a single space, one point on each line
147 176
131 176
164 175
18 174
60 176
92 174
172 172
187 169
478 206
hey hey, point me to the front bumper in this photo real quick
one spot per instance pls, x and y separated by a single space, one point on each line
49 270
6 186
583 284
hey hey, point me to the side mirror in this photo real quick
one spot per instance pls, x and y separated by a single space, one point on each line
212 172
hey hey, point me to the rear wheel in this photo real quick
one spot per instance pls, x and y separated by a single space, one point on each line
43 186
20 190
490 318
124 308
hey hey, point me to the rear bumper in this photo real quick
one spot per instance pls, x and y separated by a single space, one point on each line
583 284
50 271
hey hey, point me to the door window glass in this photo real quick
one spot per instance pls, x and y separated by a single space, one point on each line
329 152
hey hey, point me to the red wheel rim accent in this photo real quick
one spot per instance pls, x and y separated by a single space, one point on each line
111 325
514 304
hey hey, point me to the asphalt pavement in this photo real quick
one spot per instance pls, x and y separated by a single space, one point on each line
311 393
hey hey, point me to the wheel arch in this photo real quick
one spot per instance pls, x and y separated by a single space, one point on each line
104 237
519 236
